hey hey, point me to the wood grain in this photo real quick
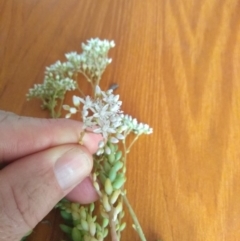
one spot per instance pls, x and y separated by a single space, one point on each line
178 67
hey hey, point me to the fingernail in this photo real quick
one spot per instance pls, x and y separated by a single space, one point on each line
72 167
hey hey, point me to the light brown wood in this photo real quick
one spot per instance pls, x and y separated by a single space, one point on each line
178 67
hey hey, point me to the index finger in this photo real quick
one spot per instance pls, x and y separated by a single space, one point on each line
21 136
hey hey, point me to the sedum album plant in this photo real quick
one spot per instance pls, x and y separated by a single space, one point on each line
100 113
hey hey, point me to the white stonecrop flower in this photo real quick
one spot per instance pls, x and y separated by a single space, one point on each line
72 110
137 128
52 87
101 114
59 76
56 83
92 61
95 57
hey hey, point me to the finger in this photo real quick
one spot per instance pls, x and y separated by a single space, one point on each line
22 136
31 186
83 193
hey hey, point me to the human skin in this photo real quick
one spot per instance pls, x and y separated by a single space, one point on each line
41 163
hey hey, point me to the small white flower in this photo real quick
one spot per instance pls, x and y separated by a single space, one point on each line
107 150
76 101
101 144
102 114
137 128
120 136
113 139
66 107
68 115
72 110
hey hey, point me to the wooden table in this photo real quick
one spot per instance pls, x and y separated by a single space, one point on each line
178 67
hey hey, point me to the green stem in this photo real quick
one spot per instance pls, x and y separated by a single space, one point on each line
134 217
52 111
51 106
60 107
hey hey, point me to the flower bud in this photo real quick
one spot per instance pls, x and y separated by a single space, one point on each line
107 150
101 144
76 101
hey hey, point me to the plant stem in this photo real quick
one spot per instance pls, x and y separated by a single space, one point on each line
80 91
85 75
134 140
52 106
114 236
60 107
134 217
52 111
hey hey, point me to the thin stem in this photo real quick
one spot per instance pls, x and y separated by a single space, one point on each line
84 74
80 91
134 217
60 107
134 140
52 111
125 147
76 79
51 106
125 154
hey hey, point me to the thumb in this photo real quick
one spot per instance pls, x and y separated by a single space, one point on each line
31 186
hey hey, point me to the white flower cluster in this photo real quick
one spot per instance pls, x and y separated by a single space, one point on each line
58 77
59 70
55 84
93 60
102 114
137 128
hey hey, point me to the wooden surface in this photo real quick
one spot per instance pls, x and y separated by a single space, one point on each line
178 67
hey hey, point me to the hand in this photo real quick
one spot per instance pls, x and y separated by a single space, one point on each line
41 163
